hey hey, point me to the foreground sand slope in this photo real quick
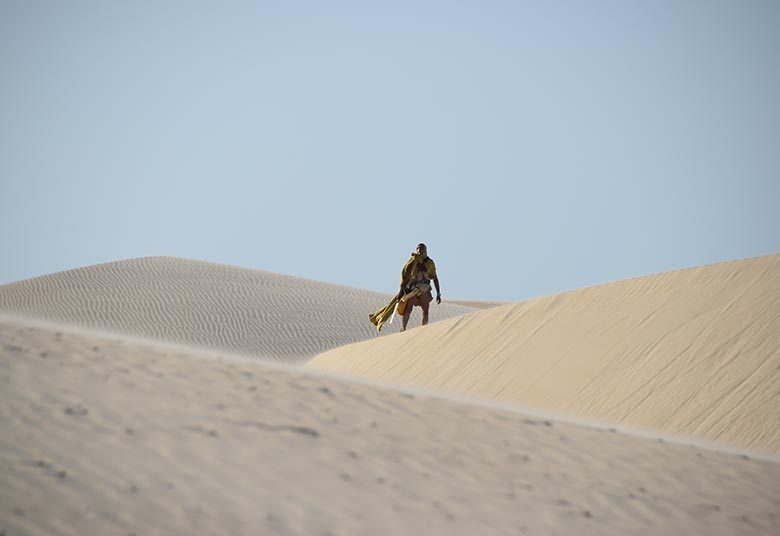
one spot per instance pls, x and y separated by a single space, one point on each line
209 305
693 352
103 435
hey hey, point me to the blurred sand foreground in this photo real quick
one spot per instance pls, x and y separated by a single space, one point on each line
108 435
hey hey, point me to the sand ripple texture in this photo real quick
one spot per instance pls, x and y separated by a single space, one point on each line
102 435
208 305
694 352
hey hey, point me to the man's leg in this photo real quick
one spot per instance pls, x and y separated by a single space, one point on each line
407 314
410 305
425 304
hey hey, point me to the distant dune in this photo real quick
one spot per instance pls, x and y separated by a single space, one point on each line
202 304
103 434
693 352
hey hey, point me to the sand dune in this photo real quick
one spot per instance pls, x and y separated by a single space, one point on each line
107 435
477 304
693 352
208 305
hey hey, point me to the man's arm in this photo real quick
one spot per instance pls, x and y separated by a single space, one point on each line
438 290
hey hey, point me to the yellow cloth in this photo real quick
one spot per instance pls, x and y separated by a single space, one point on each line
413 265
381 316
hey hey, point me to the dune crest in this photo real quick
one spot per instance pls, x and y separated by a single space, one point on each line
213 306
694 352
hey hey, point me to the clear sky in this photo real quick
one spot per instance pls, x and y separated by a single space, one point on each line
535 147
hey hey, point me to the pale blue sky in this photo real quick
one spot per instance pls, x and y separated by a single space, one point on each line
534 146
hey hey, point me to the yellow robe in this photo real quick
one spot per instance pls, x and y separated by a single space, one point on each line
414 264
382 315
409 271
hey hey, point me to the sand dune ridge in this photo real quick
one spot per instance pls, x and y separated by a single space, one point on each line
204 304
693 352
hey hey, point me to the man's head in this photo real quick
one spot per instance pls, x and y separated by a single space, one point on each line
422 250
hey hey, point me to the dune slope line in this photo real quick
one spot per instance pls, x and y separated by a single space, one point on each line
694 352
215 306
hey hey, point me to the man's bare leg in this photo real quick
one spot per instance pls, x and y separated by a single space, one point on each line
425 306
407 315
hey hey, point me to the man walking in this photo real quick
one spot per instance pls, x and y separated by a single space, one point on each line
416 277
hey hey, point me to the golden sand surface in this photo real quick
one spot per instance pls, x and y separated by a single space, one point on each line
693 352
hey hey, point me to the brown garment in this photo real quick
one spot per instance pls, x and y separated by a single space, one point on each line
421 299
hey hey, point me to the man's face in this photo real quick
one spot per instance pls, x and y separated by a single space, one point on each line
422 251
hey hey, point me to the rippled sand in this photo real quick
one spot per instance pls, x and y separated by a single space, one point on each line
214 306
